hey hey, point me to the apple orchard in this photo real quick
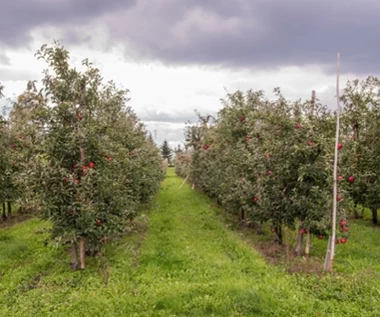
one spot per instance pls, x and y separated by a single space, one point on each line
271 161
75 154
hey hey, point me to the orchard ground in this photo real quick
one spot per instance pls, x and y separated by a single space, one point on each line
184 257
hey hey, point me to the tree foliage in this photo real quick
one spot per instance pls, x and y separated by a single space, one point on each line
361 143
166 151
267 160
84 160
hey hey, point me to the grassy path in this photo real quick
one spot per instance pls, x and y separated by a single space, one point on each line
187 263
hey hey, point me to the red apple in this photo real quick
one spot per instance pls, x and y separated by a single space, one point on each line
98 221
242 119
339 198
320 236
309 143
255 199
351 179
358 155
298 126
340 177
109 158
75 166
91 165
205 146
340 145
343 222
269 172
80 116
247 138
343 240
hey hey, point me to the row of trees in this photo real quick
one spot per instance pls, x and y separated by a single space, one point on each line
75 153
271 161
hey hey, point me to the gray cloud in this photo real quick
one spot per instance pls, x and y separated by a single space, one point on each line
4 60
174 133
166 116
239 33
18 18
9 74
255 33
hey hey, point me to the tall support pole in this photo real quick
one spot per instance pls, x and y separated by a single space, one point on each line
329 259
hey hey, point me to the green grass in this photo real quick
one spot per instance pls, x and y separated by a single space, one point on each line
187 263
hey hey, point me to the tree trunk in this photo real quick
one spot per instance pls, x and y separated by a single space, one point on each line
356 214
242 214
278 232
4 215
307 246
374 216
362 210
259 229
9 209
82 252
74 256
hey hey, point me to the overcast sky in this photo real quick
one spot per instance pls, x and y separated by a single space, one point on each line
176 56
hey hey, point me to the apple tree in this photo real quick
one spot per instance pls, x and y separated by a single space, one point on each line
7 190
360 175
89 163
268 160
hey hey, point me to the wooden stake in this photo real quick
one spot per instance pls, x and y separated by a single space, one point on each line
331 248
313 97
308 235
298 249
9 144
82 240
307 245
74 256
184 181
82 252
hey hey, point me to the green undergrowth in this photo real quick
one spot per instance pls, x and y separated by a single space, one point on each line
182 259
